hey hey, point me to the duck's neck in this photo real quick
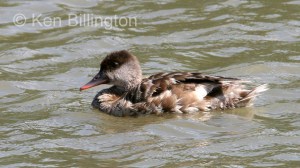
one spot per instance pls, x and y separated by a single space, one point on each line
132 82
133 94
132 86
130 92
128 87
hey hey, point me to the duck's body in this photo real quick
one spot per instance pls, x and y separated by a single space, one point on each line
179 92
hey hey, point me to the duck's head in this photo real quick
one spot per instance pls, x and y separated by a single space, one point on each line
120 69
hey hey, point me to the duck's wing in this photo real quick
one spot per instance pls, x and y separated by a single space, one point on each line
158 83
179 91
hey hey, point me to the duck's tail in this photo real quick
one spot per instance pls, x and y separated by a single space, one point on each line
247 99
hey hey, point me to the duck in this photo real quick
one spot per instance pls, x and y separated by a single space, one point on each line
165 92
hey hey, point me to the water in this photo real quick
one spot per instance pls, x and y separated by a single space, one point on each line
46 122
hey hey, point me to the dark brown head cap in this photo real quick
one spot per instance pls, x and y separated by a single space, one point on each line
116 59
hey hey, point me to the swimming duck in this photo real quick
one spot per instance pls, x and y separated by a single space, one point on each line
177 92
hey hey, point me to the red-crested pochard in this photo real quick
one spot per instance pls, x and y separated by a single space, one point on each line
175 92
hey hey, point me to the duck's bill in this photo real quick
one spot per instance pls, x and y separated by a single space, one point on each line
94 82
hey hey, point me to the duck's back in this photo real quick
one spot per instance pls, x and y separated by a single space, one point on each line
191 92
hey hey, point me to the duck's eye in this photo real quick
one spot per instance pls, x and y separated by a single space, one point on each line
115 64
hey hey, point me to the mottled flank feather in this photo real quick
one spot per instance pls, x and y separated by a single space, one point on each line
190 92
175 92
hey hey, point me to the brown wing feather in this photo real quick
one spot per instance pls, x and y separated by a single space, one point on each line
185 92
161 82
